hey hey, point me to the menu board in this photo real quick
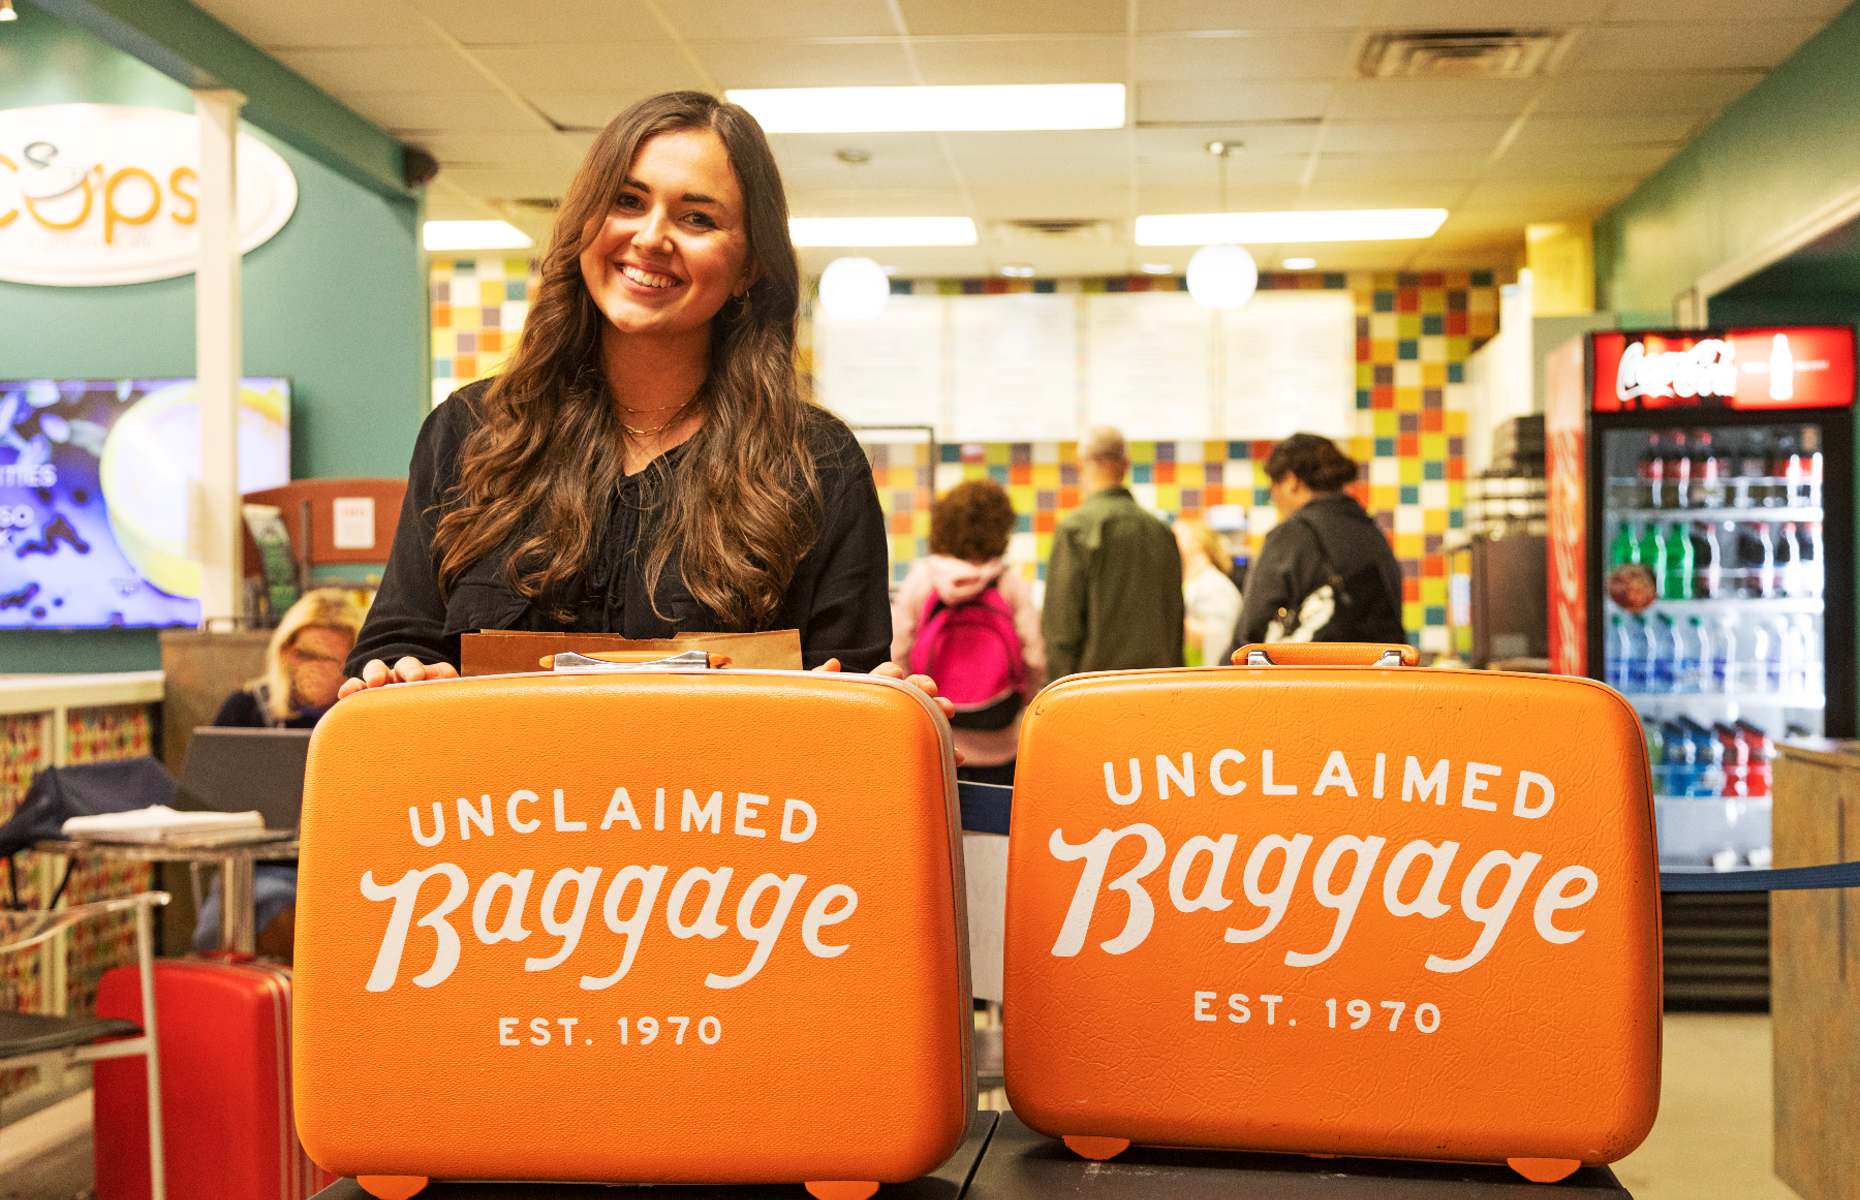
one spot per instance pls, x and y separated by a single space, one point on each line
1016 370
1289 364
887 370
1147 364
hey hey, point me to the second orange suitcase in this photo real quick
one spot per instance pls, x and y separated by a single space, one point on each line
1324 906
645 928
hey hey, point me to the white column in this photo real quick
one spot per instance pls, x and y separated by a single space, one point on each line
219 353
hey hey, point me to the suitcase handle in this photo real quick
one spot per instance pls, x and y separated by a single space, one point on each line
1325 654
570 663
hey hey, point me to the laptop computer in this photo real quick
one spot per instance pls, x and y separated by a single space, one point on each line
238 770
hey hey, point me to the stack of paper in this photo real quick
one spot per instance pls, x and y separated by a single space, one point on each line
160 824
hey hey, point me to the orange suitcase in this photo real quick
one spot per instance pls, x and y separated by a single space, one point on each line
644 927
1331 903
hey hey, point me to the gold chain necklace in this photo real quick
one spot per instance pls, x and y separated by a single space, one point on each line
677 416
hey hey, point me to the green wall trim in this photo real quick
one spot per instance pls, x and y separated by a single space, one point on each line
192 48
1783 152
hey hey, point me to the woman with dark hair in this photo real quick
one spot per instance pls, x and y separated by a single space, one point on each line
965 618
647 464
1325 572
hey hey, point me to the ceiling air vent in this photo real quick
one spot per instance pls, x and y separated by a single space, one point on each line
1458 54
1071 229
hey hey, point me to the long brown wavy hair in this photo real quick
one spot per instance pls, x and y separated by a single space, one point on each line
742 504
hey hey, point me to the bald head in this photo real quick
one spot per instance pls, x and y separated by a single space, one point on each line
1103 458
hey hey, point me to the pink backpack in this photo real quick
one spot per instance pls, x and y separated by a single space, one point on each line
973 652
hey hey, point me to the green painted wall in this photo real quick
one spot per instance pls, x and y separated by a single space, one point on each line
336 302
1783 151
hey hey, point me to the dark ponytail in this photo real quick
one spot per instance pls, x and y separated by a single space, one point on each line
1315 460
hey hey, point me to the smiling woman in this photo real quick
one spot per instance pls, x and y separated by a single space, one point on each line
648 464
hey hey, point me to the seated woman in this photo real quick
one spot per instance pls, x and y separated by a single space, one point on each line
303 669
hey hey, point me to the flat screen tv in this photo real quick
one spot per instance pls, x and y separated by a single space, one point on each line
96 482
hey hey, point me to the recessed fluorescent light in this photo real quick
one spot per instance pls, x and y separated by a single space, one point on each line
882 231
1266 228
1018 270
474 235
1299 264
952 109
1158 269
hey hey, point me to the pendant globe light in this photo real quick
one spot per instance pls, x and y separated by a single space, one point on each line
854 289
1222 276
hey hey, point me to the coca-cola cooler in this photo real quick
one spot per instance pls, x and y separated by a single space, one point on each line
1700 483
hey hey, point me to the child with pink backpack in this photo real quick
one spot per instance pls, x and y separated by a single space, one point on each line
966 619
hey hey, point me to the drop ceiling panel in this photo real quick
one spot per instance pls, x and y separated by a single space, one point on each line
1392 193
1657 128
1242 196
1486 14
898 160
517 22
1723 10
1191 141
710 20
1397 167
1182 16
1387 136
1312 54
587 111
1112 201
636 69
879 202
931 18
327 23
1548 200
501 150
1700 92
1244 169
1021 60
1401 99
505 182
1692 45
1042 157
1219 103
415 113
767 64
352 72
1547 161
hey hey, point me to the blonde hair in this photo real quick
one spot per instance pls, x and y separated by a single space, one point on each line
330 608
1209 541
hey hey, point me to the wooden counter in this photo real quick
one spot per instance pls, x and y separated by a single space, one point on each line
1815 973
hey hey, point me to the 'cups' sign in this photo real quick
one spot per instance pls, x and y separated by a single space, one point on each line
528 901
1370 910
105 194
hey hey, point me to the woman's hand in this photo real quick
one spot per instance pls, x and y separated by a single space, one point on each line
922 683
408 670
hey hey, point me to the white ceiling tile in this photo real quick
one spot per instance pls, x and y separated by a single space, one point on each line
1400 167
1201 170
635 70
411 113
1482 222
1243 195
1109 202
1353 192
1079 59
564 22
711 20
1080 155
1688 45
403 69
1640 92
1660 128
503 182
501 149
587 112
898 160
1401 99
1191 141
327 23
764 64
1179 16
1313 54
1555 161
1352 137
1225 103
931 18
877 202
1722 10
1576 195
1487 14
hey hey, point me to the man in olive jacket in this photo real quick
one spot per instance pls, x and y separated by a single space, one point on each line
1114 584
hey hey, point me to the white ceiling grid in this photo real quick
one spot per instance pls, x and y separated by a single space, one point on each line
506 94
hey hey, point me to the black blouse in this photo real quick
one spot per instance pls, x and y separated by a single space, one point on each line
837 598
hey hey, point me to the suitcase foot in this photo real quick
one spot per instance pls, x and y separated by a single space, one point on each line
1544 1170
841 1189
392 1187
1096 1148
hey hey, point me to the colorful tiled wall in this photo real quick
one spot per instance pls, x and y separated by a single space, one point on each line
479 305
1413 334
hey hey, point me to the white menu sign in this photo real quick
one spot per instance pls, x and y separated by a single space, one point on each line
1016 368
1148 364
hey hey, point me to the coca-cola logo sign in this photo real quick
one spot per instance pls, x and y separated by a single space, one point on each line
1748 369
